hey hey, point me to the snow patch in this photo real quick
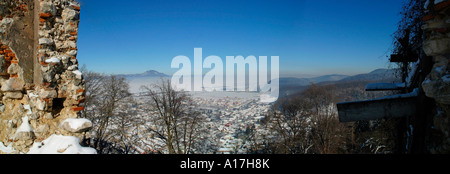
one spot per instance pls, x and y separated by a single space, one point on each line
45 41
435 2
5 149
32 95
412 72
77 73
446 78
59 144
27 107
266 98
74 3
25 126
414 93
438 1
76 123
439 69
52 60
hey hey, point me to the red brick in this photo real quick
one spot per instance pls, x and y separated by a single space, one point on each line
76 7
78 108
22 8
72 24
45 15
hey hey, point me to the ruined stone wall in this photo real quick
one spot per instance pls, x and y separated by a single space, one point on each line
437 83
41 86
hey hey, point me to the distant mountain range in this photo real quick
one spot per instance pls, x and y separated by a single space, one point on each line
149 73
291 85
378 74
288 85
288 81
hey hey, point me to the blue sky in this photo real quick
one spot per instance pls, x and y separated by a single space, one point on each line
310 36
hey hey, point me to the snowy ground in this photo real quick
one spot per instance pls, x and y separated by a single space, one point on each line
59 144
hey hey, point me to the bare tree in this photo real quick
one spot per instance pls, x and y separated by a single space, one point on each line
115 90
327 134
176 123
104 96
292 124
288 125
304 123
93 88
126 126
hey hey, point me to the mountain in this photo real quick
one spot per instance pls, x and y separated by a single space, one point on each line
292 85
325 78
293 81
378 74
287 81
288 85
153 73
147 78
149 73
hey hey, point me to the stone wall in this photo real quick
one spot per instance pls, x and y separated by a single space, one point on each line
41 86
437 83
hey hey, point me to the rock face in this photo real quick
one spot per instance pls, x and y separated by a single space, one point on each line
437 83
41 86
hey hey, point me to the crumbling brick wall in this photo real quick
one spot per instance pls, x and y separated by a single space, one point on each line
39 76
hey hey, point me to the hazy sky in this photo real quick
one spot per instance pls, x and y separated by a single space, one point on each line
309 36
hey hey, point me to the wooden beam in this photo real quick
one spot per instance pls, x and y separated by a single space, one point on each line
375 109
